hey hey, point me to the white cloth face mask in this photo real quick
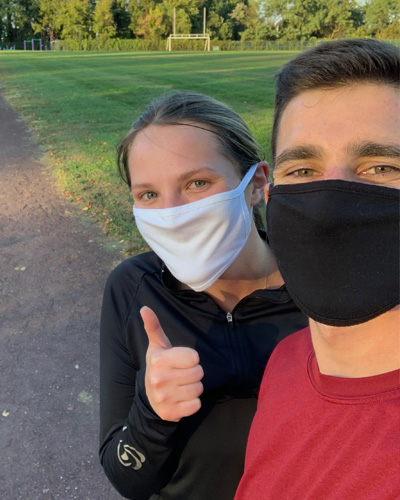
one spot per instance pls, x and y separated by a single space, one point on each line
200 240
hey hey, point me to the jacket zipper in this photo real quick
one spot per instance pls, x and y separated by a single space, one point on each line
237 364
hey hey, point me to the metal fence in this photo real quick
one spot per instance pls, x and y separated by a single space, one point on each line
118 44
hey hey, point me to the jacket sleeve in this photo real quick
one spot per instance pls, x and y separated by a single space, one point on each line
136 446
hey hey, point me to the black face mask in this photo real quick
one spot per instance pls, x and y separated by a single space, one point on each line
337 247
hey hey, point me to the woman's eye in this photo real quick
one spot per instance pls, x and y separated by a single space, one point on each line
198 183
148 196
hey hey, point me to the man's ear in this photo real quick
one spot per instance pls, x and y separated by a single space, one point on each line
259 182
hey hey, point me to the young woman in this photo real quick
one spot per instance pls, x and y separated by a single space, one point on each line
180 377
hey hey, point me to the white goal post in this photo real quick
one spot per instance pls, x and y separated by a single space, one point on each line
191 36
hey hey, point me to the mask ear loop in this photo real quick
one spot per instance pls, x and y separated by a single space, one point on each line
248 176
267 272
266 193
272 267
270 256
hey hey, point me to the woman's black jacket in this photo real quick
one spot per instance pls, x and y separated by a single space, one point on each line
201 457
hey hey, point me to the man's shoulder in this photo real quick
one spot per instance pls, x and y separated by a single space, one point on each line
291 352
286 369
297 342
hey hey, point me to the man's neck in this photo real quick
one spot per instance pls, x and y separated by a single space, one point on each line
364 350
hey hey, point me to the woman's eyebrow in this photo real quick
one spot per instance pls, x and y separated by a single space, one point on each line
298 153
197 171
374 149
186 175
144 185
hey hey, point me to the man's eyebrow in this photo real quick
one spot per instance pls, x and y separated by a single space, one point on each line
374 149
298 153
367 148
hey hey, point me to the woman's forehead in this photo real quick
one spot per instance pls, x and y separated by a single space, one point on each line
174 141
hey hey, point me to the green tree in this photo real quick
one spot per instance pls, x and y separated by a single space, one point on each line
185 10
250 23
239 15
220 25
155 18
6 21
304 19
358 18
138 9
153 24
75 19
382 18
49 19
271 17
122 18
16 17
335 18
104 25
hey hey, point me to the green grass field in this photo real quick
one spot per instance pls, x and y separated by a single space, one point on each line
80 104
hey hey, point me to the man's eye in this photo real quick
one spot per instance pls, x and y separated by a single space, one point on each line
303 172
381 170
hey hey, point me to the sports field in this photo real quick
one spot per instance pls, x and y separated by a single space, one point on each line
80 104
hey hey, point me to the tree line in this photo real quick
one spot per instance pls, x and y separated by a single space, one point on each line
226 19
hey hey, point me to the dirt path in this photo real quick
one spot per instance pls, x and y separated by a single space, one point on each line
53 267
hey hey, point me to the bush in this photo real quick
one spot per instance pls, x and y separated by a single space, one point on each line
138 44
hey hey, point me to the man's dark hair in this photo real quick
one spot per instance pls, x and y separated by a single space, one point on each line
331 65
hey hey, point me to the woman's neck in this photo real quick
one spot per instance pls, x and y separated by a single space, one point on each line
254 269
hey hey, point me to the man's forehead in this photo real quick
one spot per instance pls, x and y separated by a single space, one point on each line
315 111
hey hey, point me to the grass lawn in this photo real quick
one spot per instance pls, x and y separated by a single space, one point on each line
80 104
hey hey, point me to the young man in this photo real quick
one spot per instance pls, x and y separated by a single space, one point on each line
328 420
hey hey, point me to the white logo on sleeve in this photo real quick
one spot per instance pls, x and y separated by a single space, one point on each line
130 456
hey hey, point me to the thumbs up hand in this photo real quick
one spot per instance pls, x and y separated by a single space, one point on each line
173 374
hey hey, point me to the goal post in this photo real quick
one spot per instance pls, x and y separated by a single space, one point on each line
190 36
206 38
